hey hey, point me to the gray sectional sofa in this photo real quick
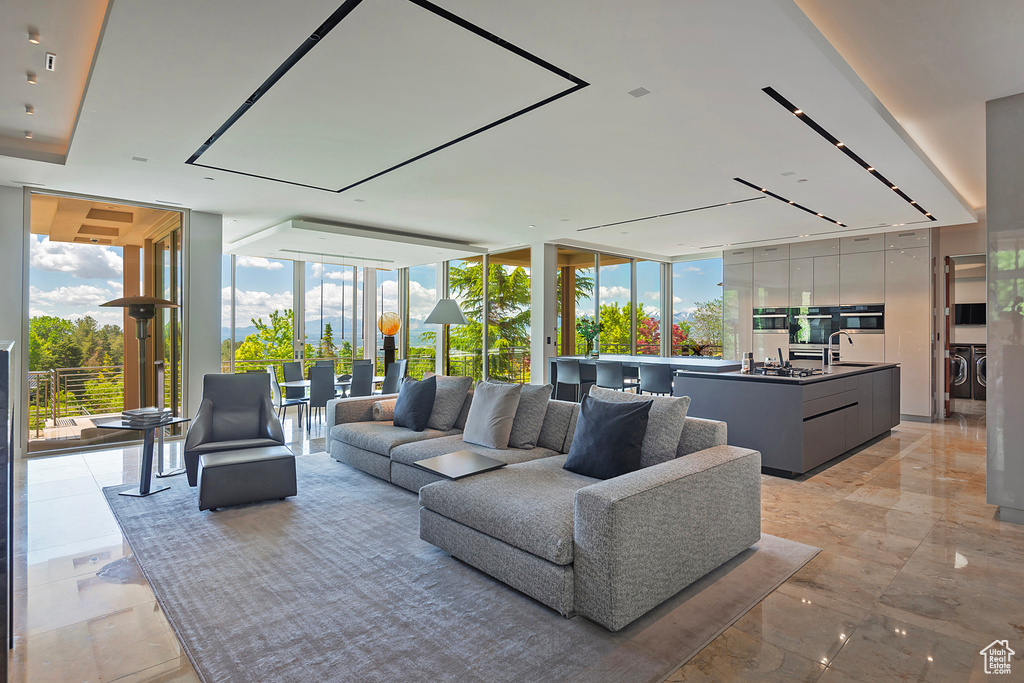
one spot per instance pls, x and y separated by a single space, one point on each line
608 550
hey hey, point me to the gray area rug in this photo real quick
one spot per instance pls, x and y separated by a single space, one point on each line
336 585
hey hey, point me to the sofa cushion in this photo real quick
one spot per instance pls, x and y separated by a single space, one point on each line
533 407
415 403
668 414
379 437
572 427
235 424
608 439
460 423
451 394
528 505
492 413
421 450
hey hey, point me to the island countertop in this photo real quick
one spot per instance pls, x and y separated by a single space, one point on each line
838 371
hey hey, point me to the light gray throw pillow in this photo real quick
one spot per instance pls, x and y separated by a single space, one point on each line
451 394
533 406
492 413
664 427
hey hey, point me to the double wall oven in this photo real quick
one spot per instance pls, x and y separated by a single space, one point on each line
809 330
809 327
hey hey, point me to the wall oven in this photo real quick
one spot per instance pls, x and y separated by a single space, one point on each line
812 325
771 320
866 319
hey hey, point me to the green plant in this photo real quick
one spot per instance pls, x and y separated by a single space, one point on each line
588 328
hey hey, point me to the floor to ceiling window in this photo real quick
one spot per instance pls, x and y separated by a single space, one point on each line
508 316
648 308
264 324
387 302
329 314
420 338
465 342
574 298
615 299
697 307
227 345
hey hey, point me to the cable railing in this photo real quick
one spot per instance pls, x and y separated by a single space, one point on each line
66 393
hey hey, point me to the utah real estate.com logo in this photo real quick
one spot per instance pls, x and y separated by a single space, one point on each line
997 657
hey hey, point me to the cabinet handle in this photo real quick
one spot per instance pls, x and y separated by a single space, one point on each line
907 234
861 239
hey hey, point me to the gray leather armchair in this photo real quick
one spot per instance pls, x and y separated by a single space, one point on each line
236 414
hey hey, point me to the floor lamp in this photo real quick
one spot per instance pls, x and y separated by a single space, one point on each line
446 312
142 309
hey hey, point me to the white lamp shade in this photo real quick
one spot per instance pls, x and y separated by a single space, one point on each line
446 312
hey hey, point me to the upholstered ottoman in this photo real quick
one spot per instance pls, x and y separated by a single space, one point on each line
245 476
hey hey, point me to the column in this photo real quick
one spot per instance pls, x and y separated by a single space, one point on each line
132 265
201 253
543 276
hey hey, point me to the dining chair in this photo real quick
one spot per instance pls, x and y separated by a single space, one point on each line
293 373
655 378
343 391
362 378
324 363
321 390
610 375
568 372
394 376
280 402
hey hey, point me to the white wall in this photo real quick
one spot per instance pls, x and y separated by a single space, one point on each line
13 303
1005 405
203 251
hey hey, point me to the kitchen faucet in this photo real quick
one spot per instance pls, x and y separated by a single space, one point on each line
830 337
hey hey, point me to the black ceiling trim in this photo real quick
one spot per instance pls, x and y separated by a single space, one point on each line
778 240
672 213
838 144
332 21
790 202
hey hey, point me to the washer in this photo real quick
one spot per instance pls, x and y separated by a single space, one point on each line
979 372
961 357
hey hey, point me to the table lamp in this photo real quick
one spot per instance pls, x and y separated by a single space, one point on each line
389 323
446 312
143 309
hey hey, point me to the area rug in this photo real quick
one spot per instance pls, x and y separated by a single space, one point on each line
336 585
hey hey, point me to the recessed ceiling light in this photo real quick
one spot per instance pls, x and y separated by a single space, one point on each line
33 37
30 110
31 78
763 190
928 214
141 159
789 173
207 178
531 226
895 188
839 144
871 169
565 220
28 135
821 215
802 180
798 112
639 92
790 201
359 200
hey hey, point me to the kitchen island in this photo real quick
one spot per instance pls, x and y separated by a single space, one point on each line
798 423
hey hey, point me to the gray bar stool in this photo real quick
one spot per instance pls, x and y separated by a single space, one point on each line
655 378
610 375
568 372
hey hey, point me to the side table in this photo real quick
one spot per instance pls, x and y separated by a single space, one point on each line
146 475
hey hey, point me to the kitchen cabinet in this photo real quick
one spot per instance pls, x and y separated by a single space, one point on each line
737 310
815 248
771 284
826 281
908 325
861 244
801 282
908 239
732 257
862 278
767 345
775 252
866 348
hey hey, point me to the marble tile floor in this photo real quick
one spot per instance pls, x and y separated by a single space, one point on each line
917 572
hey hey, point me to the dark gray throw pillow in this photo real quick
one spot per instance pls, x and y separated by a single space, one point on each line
608 438
533 407
415 403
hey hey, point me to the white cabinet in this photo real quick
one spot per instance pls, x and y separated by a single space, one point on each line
866 348
857 245
767 345
737 310
733 256
771 284
908 239
862 278
775 252
826 281
908 325
801 281
815 248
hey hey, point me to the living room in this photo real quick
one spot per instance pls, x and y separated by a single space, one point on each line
796 214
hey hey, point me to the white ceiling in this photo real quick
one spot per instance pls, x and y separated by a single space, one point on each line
169 74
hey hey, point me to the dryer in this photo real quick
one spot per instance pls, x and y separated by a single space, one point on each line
961 358
979 372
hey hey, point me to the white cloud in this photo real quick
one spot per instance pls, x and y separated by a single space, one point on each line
86 261
616 293
257 262
116 287
78 295
421 301
676 300
330 272
103 316
679 269
251 304
652 296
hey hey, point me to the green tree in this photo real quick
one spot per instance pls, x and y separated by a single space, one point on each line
53 344
271 340
706 322
327 348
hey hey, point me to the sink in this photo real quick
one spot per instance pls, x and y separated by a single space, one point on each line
855 364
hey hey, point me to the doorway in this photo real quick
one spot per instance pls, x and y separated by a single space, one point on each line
966 329
83 368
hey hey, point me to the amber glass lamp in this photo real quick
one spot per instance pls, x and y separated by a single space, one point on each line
389 323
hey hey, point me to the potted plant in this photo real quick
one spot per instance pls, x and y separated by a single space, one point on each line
589 329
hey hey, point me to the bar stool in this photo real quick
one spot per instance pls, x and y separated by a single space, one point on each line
567 371
655 378
610 375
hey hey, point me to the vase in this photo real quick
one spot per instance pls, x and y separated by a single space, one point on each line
590 348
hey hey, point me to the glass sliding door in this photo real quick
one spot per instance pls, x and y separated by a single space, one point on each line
615 297
465 342
264 321
697 307
508 316
574 298
329 307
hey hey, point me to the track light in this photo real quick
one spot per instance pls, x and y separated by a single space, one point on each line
33 37
31 78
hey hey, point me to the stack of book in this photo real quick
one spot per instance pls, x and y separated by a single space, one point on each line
145 417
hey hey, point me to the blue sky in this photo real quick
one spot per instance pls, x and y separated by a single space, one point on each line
71 280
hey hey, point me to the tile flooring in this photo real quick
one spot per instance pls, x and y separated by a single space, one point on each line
916 575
